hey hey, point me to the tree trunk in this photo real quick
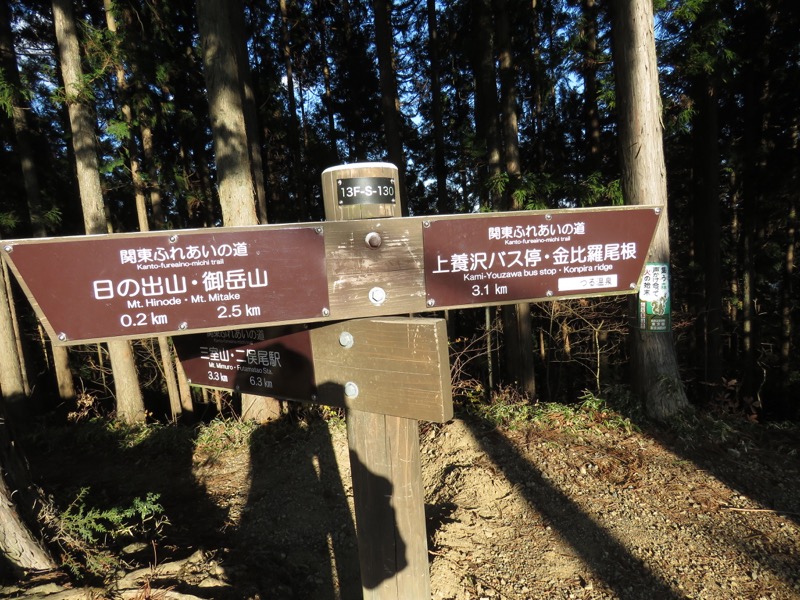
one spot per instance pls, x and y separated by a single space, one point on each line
251 121
591 113
221 70
12 384
18 545
390 99
231 145
758 27
141 204
517 319
327 98
187 406
787 288
655 373
19 110
444 204
508 106
130 404
30 177
293 135
127 114
486 122
708 228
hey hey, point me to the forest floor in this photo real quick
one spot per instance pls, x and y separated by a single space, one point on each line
577 503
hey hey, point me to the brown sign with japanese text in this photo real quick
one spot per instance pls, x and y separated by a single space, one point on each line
535 255
259 361
99 287
137 285
387 365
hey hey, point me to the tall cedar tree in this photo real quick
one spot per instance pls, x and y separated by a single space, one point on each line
225 81
655 372
130 404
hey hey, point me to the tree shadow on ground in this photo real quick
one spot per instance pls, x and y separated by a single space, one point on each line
116 468
758 461
293 536
629 577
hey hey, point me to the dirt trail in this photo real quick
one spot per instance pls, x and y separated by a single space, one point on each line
571 507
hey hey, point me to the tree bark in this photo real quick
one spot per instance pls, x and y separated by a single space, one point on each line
708 228
486 109
444 203
293 134
327 98
18 546
508 105
517 319
251 120
787 303
19 110
141 204
30 177
130 404
221 70
655 372
12 384
231 145
390 99
758 29
591 113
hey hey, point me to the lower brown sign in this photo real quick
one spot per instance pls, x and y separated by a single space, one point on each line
264 362
389 365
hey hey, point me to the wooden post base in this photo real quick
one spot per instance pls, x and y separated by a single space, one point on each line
389 505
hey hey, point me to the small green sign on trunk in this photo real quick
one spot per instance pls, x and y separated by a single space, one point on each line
654 308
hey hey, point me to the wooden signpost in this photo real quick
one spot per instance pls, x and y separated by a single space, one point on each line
304 312
92 288
386 365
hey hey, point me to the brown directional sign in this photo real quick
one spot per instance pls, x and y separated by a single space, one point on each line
534 255
99 287
262 361
136 285
389 365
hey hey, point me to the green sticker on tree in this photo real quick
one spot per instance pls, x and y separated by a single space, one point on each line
654 307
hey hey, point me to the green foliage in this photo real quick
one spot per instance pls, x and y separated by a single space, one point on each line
535 190
594 191
498 183
8 221
112 164
119 129
95 525
224 434
6 95
508 408
86 532
539 191
52 217
590 412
